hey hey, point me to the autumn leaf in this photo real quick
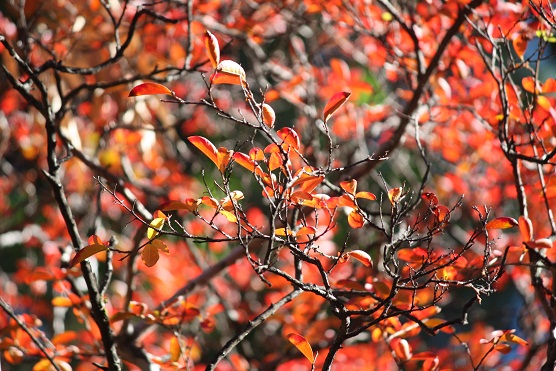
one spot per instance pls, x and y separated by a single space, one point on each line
150 255
359 255
302 345
335 103
401 349
175 348
96 245
349 186
206 147
149 88
519 43
355 219
526 228
503 222
289 136
212 47
229 72
156 224
395 195
62 301
268 114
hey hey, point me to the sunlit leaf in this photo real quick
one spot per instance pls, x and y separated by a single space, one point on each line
190 204
268 114
430 197
355 220
526 228
431 364
395 195
503 222
86 252
46 365
282 232
304 231
366 195
247 162
512 338
223 157
229 72
212 47
401 349
335 103
137 308
209 201
549 86
530 84
520 45
149 255
256 154
149 88
175 348
229 215
349 186
308 183
154 226
289 136
61 301
302 345
206 147
359 255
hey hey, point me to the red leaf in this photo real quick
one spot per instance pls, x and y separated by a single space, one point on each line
289 136
86 252
302 345
520 45
360 255
149 88
334 103
206 147
503 222
526 228
401 349
213 49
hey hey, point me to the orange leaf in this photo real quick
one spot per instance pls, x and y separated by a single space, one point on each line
206 147
503 222
289 136
503 348
308 183
346 200
355 220
530 84
190 204
149 255
526 228
229 72
334 103
149 88
395 195
223 158
442 213
511 338
64 337
302 345
269 116
95 240
61 301
401 349
367 195
283 232
175 349
360 255
256 154
209 201
213 49
520 45
349 186
549 86
86 252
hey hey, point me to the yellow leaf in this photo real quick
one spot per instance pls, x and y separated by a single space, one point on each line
157 223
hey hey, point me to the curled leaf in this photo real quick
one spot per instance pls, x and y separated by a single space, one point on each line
149 88
349 186
401 349
302 345
359 255
213 49
229 72
355 219
503 222
526 228
335 103
289 136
